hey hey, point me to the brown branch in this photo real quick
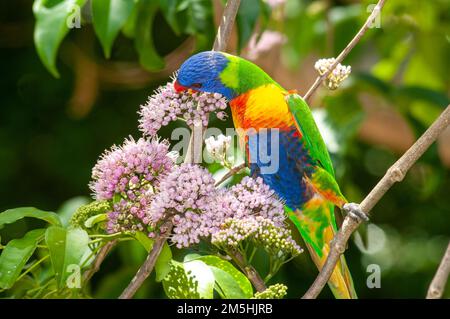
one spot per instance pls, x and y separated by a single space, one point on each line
193 155
395 173
437 286
226 25
376 11
248 270
194 151
235 170
103 252
147 267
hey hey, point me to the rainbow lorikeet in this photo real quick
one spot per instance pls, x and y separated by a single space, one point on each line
304 178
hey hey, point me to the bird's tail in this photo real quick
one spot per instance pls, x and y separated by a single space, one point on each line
340 283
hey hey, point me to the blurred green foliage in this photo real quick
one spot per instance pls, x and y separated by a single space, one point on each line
46 153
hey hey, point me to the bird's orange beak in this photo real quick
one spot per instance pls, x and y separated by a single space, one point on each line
178 87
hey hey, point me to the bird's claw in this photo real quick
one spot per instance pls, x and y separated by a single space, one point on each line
355 212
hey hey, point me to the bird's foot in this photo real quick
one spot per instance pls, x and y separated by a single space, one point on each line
355 212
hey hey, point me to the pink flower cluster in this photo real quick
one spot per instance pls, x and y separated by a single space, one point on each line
167 105
127 176
188 198
184 196
128 216
131 169
253 197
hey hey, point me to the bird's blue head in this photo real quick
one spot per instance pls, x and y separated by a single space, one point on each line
201 72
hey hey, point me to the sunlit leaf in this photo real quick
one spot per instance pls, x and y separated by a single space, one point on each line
203 275
230 282
180 284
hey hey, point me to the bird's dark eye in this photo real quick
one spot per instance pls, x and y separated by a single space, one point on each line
196 85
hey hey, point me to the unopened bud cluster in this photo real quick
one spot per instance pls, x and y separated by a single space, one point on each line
277 291
335 78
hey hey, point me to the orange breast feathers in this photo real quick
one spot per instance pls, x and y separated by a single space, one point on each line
263 107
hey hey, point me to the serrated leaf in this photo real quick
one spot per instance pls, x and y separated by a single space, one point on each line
67 247
15 255
93 220
52 19
242 286
148 57
108 17
11 215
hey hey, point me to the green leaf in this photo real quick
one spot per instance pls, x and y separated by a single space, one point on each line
148 57
231 281
15 255
108 17
67 247
179 283
198 17
246 19
227 287
169 10
204 275
129 27
91 221
53 18
162 265
145 241
11 215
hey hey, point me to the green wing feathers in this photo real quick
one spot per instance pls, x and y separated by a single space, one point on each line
307 126
317 226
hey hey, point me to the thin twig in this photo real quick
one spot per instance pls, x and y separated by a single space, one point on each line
248 270
437 286
376 11
103 252
194 151
149 263
394 174
235 170
193 155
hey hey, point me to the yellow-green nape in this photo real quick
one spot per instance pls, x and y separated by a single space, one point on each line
242 76
229 75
